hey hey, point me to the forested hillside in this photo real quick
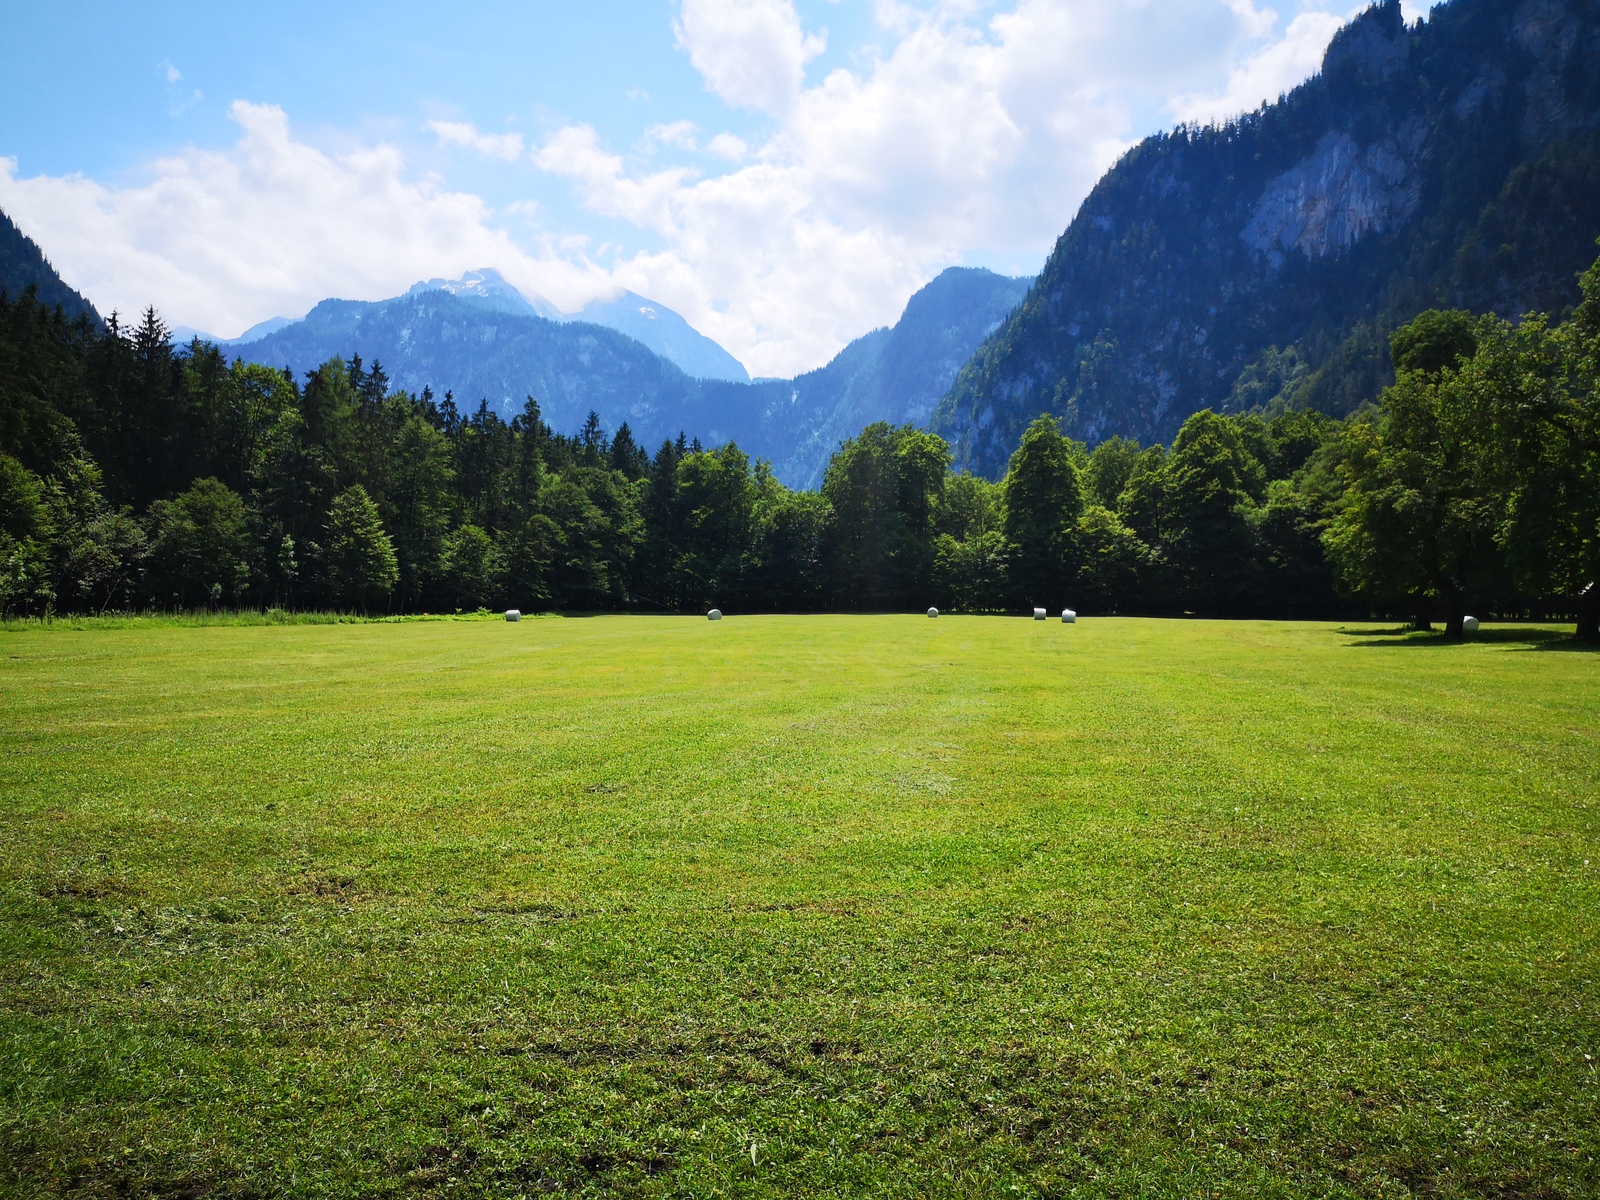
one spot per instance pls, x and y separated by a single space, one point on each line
23 265
1454 163
133 474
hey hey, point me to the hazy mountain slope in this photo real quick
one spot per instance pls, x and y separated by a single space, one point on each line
665 332
23 263
480 348
896 374
435 339
1452 162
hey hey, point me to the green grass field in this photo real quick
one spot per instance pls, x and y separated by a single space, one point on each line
851 906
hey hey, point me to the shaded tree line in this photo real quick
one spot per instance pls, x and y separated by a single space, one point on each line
135 474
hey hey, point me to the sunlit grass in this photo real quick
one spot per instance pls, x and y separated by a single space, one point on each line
797 905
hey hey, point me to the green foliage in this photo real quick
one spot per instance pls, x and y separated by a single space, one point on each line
882 488
717 496
199 547
1111 465
1043 501
1116 565
1474 485
970 552
1266 384
470 569
1434 342
1211 480
1470 476
360 559
24 565
25 270
96 549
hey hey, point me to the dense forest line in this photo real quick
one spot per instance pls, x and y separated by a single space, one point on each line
134 474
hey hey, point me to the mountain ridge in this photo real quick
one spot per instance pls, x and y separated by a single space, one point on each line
23 264
1450 163
481 350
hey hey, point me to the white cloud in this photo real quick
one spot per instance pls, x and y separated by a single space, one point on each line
575 152
221 240
975 130
752 53
729 146
1273 70
673 133
507 146
171 72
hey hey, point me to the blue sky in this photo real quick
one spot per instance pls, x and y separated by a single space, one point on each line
783 172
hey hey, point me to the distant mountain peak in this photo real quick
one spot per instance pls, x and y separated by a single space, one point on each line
665 332
487 288
1372 47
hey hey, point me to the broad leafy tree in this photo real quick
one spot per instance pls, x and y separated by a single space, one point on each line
358 554
1043 501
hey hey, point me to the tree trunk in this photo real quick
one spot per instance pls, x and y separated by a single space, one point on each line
1424 621
1455 615
1589 613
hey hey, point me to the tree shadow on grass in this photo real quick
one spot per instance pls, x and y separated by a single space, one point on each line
1523 638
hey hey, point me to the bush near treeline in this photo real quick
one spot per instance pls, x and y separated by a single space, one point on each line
136 475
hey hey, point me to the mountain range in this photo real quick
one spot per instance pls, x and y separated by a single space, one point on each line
1453 162
1255 264
480 339
655 325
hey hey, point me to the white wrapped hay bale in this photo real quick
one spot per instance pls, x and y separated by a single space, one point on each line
513 614
1038 614
1469 624
1068 617
714 615
933 612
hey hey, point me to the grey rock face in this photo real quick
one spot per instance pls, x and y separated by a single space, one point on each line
1340 193
1448 163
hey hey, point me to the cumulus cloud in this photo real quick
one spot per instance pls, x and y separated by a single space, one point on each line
507 146
221 240
1277 67
974 129
729 146
752 53
673 133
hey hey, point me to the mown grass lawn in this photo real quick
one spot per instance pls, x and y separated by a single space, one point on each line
847 905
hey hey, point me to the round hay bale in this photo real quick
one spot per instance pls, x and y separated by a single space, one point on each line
1038 614
714 615
1068 617
1469 624
933 612
513 614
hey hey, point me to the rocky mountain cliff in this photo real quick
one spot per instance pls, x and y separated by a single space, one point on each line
1453 162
